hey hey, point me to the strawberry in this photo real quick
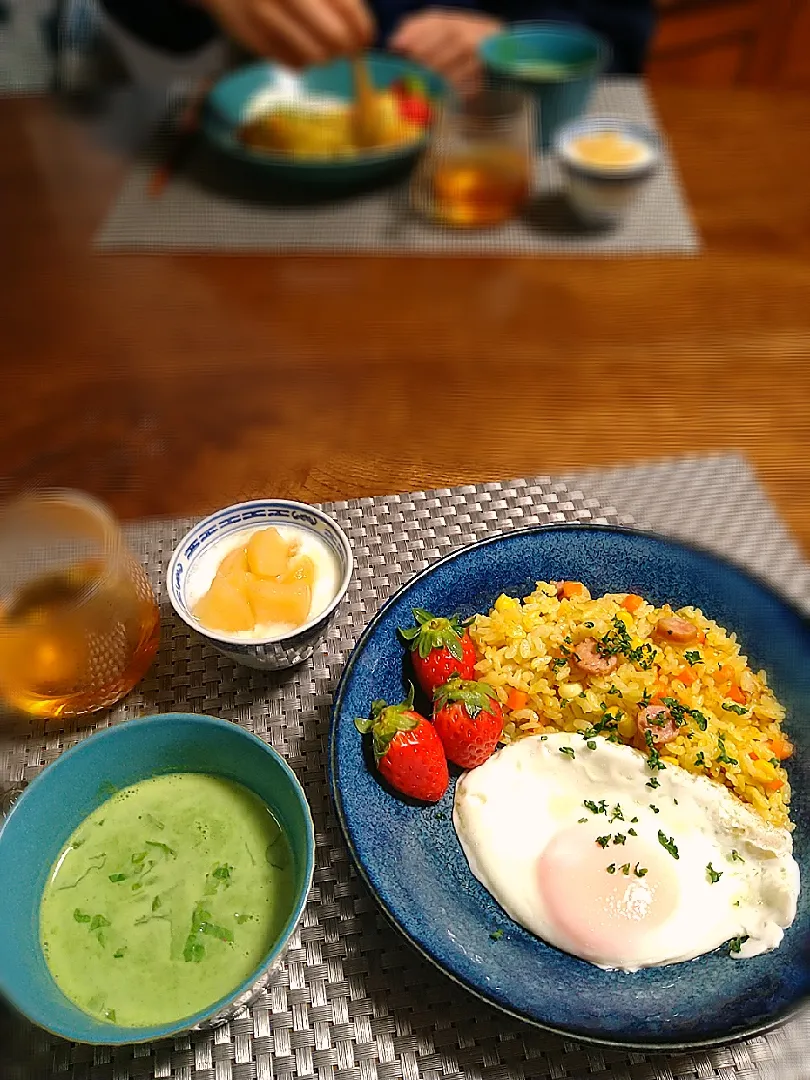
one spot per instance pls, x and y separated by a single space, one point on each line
413 102
468 719
407 750
440 648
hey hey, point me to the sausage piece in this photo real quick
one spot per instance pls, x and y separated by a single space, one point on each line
588 659
675 629
657 719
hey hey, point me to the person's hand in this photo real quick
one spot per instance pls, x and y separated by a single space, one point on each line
447 42
296 32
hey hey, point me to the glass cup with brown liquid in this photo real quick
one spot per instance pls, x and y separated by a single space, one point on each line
79 626
477 172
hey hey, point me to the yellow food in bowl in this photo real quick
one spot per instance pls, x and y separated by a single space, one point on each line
305 131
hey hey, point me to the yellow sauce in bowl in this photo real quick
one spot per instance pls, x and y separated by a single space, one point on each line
608 150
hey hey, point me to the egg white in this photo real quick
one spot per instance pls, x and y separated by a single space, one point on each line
532 794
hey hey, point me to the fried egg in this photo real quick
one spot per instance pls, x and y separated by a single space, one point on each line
586 846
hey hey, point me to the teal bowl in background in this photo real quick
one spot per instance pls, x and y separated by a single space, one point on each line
80 780
556 63
227 107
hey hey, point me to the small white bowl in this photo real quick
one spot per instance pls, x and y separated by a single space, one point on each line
271 653
601 195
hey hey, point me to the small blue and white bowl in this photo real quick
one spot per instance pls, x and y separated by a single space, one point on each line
602 195
272 653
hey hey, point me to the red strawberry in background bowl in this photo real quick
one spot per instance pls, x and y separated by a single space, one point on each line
468 719
439 648
407 750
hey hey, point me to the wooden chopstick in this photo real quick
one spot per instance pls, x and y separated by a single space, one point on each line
183 137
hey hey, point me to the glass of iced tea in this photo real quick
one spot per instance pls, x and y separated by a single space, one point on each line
79 625
478 169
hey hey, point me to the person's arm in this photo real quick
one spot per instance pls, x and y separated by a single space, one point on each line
294 32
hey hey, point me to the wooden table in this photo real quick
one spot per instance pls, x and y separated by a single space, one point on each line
172 384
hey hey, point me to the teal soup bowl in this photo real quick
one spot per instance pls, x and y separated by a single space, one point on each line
77 783
556 63
233 99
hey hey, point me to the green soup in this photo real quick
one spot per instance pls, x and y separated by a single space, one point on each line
165 899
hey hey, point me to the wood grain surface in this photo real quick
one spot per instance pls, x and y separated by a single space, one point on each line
174 384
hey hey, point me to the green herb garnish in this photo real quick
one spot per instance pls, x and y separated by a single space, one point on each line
632 832
591 744
603 841
626 869
680 712
723 756
595 808
157 903
616 813
640 871
496 935
654 808
80 916
162 847
568 750
582 821
668 843
737 943
612 868
712 874
700 760
692 657
98 921
736 856
118 877
619 838
653 783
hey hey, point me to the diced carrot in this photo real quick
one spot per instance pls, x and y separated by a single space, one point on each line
632 602
686 676
753 756
572 588
516 699
782 749
723 674
775 784
736 694
701 637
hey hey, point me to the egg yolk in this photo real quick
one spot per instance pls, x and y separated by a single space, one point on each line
606 915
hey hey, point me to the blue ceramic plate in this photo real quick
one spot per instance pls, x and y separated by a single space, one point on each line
227 107
414 865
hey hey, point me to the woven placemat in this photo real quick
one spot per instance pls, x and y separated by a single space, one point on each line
212 206
353 1001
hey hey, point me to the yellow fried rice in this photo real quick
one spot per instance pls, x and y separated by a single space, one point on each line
526 647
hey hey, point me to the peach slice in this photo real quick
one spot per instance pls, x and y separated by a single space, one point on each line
300 569
267 553
224 607
280 602
235 562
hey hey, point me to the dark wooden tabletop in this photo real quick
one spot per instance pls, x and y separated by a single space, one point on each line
174 384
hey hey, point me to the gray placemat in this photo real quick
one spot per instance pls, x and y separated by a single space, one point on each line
213 206
352 1001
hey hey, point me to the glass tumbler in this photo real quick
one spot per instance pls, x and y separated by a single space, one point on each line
79 626
477 171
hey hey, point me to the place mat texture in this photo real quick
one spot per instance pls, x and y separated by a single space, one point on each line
352 1000
212 206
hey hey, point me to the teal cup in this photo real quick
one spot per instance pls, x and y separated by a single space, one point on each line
556 63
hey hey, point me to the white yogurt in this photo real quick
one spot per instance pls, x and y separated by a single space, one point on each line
288 89
327 575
